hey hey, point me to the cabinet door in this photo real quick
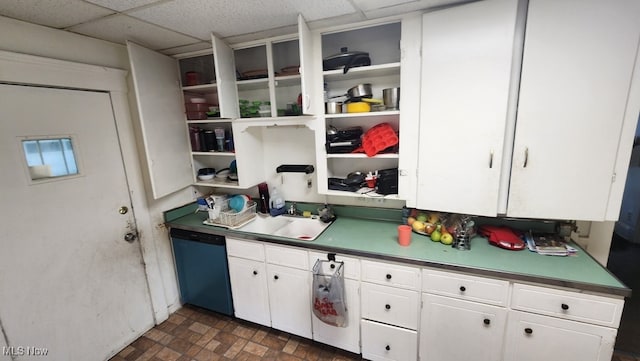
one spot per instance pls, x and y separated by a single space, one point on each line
162 121
466 76
346 338
457 330
306 65
533 337
249 290
225 79
576 74
290 300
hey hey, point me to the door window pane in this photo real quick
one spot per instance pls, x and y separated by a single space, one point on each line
51 157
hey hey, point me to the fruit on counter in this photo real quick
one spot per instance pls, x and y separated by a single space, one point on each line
433 218
422 217
436 235
429 228
410 220
446 237
418 226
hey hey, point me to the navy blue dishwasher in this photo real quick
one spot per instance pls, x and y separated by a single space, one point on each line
203 274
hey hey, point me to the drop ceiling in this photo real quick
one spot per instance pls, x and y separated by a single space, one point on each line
178 26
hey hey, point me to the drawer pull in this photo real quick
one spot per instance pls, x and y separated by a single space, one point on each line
255 273
332 266
565 306
487 321
387 306
388 348
463 288
528 331
388 276
275 277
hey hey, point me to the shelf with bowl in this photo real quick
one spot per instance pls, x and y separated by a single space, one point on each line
363 71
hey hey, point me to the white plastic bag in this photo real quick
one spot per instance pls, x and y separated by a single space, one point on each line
328 295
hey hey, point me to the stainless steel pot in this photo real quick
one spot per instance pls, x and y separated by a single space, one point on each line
391 98
360 91
333 107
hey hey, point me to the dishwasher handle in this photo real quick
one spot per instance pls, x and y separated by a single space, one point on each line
197 236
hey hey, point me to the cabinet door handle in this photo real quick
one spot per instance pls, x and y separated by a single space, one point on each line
526 157
275 277
565 306
487 321
463 288
388 348
388 276
255 273
387 306
528 331
332 266
491 159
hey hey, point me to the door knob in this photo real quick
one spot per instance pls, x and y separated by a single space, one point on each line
123 210
130 237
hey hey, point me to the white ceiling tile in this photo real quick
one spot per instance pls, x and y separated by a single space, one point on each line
316 10
119 28
122 5
52 13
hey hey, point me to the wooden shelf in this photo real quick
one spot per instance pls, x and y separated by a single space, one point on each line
201 89
253 84
383 113
363 71
224 154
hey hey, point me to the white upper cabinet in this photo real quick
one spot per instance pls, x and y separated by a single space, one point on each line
225 79
577 68
467 57
162 120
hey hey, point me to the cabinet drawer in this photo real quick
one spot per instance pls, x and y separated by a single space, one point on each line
390 305
287 256
351 268
385 342
245 249
570 305
494 292
391 274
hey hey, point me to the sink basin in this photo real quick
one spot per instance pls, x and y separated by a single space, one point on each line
264 225
306 229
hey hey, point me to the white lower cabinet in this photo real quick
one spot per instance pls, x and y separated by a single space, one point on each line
289 299
249 290
385 342
459 330
346 338
535 337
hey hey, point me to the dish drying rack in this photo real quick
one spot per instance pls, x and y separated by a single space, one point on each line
229 218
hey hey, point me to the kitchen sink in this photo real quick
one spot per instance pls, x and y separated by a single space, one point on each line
307 229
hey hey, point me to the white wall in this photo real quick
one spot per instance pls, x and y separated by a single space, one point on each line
21 37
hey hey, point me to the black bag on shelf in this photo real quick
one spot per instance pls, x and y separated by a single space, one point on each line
387 182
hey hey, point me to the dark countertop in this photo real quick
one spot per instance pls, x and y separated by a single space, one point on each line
377 238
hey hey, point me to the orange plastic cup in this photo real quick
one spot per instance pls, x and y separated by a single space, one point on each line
404 235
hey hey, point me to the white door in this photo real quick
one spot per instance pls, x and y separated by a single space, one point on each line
446 323
69 282
532 337
249 290
576 74
290 300
466 77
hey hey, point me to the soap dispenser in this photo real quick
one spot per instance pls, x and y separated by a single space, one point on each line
276 203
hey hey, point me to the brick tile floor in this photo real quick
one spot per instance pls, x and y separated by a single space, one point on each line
192 333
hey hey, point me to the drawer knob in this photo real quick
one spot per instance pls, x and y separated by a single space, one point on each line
528 331
487 321
332 266
275 277
387 306
255 273
463 288
565 306
388 276
388 348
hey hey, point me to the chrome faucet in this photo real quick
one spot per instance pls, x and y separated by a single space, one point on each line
292 210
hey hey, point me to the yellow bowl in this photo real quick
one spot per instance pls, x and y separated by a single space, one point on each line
358 107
